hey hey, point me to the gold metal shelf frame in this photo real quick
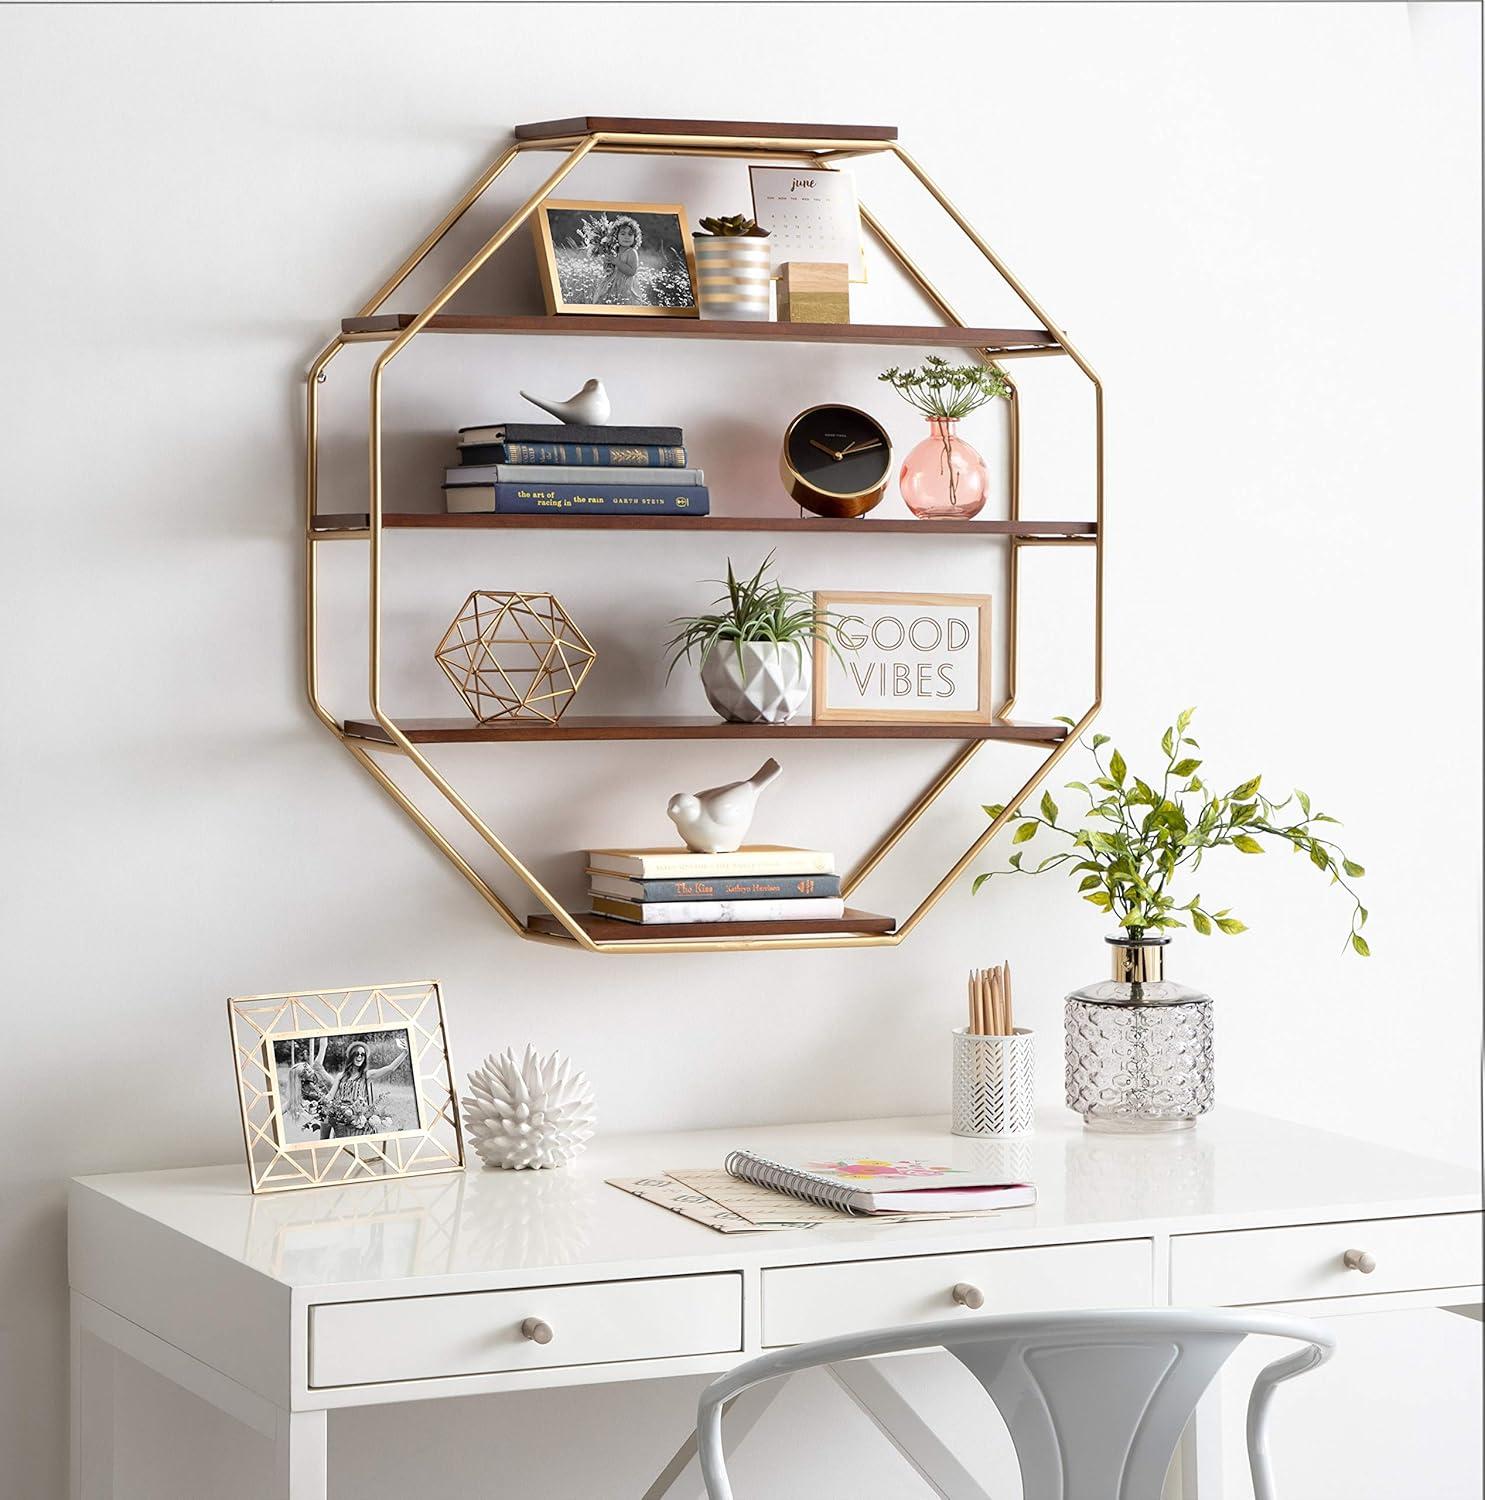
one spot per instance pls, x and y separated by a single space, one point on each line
575 148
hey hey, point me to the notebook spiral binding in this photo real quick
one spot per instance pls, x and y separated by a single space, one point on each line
762 1172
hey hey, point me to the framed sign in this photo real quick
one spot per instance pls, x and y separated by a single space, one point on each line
810 214
904 656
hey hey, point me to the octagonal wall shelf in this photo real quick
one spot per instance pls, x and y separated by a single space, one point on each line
371 737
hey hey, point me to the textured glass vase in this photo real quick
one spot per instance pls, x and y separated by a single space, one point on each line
943 478
1139 1048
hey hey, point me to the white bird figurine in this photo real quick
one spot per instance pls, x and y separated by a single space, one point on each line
716 821
590 406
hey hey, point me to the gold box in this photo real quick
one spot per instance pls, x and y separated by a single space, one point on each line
814 292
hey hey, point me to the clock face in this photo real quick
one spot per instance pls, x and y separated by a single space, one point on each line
838 450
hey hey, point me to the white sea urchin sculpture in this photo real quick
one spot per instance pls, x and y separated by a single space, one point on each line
537 1112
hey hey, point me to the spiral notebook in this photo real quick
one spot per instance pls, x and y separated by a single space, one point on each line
882 1185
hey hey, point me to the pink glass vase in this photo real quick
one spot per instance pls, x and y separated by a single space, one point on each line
943 478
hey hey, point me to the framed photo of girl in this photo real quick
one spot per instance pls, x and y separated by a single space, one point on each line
345 1085
633 259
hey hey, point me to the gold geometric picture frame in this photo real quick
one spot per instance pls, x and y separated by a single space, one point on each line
412 1011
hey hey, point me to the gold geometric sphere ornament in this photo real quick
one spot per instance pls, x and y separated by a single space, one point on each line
511 655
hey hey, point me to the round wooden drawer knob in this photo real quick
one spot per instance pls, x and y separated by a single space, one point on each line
1360 1260
537 1331
968 1296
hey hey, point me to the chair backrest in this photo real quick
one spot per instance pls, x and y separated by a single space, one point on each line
1095 1402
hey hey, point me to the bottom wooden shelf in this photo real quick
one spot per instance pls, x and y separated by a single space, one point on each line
609 930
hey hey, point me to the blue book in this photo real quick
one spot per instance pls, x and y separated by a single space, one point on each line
591 455
578 499
717 887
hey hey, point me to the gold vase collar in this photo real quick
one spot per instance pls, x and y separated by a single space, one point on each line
1138 963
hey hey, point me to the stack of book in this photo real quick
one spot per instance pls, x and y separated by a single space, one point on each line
546 468
758 883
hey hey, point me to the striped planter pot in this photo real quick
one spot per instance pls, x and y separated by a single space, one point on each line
732 274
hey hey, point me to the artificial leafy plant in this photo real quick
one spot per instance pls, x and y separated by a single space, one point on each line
939 389
1140 835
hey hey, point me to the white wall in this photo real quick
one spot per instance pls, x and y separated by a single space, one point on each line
1261 224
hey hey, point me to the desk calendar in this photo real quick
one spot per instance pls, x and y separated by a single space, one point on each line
810 214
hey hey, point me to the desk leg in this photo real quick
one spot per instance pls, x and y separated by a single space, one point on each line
100 1337
871 1386
683 1473
93 1361
301 1460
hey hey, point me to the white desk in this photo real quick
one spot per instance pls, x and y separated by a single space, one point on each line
280 1309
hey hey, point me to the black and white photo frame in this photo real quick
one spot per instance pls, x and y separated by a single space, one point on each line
632 259
347 1085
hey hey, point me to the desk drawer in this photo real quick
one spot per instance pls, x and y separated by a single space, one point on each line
815 1302
1285 1265
479 1333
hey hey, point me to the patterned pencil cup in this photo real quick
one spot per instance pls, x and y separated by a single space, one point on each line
993 1084
732 276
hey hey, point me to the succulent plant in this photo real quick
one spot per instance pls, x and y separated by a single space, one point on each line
733 225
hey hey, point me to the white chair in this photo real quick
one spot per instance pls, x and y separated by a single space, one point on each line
1095 1402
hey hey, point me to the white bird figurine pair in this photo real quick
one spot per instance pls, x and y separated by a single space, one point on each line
590 406
717 820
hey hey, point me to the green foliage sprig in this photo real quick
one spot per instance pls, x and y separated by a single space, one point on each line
1143 832
731 226
939 389
756 609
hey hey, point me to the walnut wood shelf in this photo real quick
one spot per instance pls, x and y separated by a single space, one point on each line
627 727
579 125
388 325
359 521
611 930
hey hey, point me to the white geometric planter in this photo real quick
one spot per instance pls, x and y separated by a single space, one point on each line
768 686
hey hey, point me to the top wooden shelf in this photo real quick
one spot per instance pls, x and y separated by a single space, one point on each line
546 130
619 325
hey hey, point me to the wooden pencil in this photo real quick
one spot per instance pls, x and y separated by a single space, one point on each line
1010 1018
